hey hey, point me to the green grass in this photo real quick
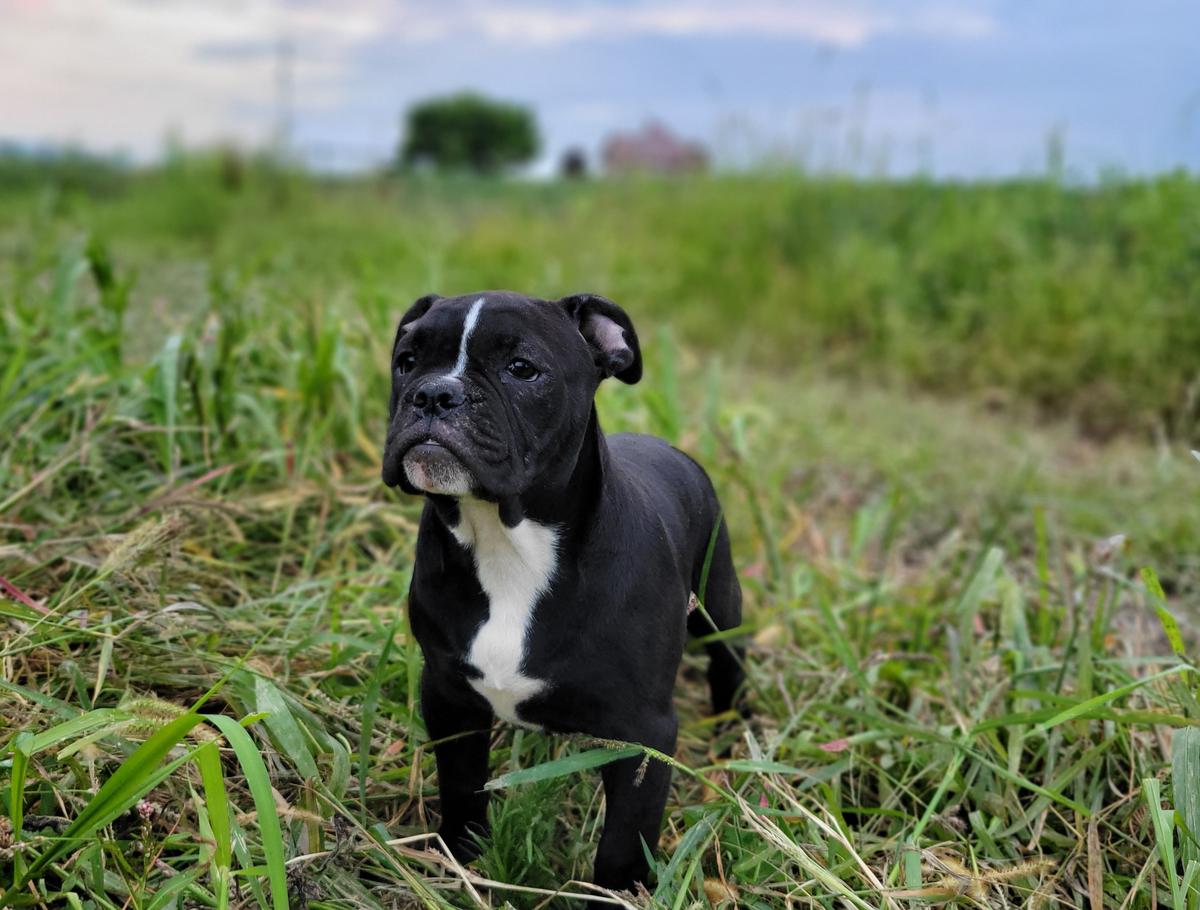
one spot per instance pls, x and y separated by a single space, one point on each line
1061 302
963 688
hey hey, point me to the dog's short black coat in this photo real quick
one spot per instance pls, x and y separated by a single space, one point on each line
492 418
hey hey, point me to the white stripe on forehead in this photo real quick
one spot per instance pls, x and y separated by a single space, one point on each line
468 327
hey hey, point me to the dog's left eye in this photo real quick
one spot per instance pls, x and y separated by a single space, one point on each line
523 369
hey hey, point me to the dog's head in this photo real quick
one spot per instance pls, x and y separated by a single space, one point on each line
492 391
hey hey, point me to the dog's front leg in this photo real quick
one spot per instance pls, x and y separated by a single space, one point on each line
634 799
460 728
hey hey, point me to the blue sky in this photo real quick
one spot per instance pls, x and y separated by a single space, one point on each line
969 88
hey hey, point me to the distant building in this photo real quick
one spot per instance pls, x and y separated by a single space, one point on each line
655 149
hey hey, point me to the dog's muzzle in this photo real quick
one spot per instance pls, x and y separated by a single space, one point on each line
433 468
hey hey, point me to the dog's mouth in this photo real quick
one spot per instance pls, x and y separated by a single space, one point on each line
429 464
449 457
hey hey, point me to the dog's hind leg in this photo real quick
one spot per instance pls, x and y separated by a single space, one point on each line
720 609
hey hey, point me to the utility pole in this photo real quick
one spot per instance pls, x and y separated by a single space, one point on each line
285 53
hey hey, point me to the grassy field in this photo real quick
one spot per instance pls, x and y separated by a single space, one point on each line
950 426
1057 302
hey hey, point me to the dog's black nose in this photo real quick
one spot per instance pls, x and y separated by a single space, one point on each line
439 395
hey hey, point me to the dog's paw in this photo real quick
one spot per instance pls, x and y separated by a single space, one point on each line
621 876
463 842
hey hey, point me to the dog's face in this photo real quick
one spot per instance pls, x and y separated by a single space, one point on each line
491 391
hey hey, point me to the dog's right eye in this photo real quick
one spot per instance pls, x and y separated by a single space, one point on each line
405 362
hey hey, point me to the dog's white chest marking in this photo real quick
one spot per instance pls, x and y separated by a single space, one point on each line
514 566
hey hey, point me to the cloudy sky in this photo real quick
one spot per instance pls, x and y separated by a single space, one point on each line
956 87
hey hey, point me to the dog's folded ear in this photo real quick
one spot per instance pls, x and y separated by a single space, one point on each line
609 333
419 308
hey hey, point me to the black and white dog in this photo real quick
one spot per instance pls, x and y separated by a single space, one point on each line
554 565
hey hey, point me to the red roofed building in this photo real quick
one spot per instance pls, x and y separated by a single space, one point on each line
655 149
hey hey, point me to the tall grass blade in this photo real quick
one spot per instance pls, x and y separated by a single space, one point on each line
1164 836
693 841
216 801
21 753
973 595
1104 698
560 767
285 732
1185 786
1159 599
77 726
264 803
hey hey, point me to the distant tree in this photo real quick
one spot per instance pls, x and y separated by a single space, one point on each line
468 132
